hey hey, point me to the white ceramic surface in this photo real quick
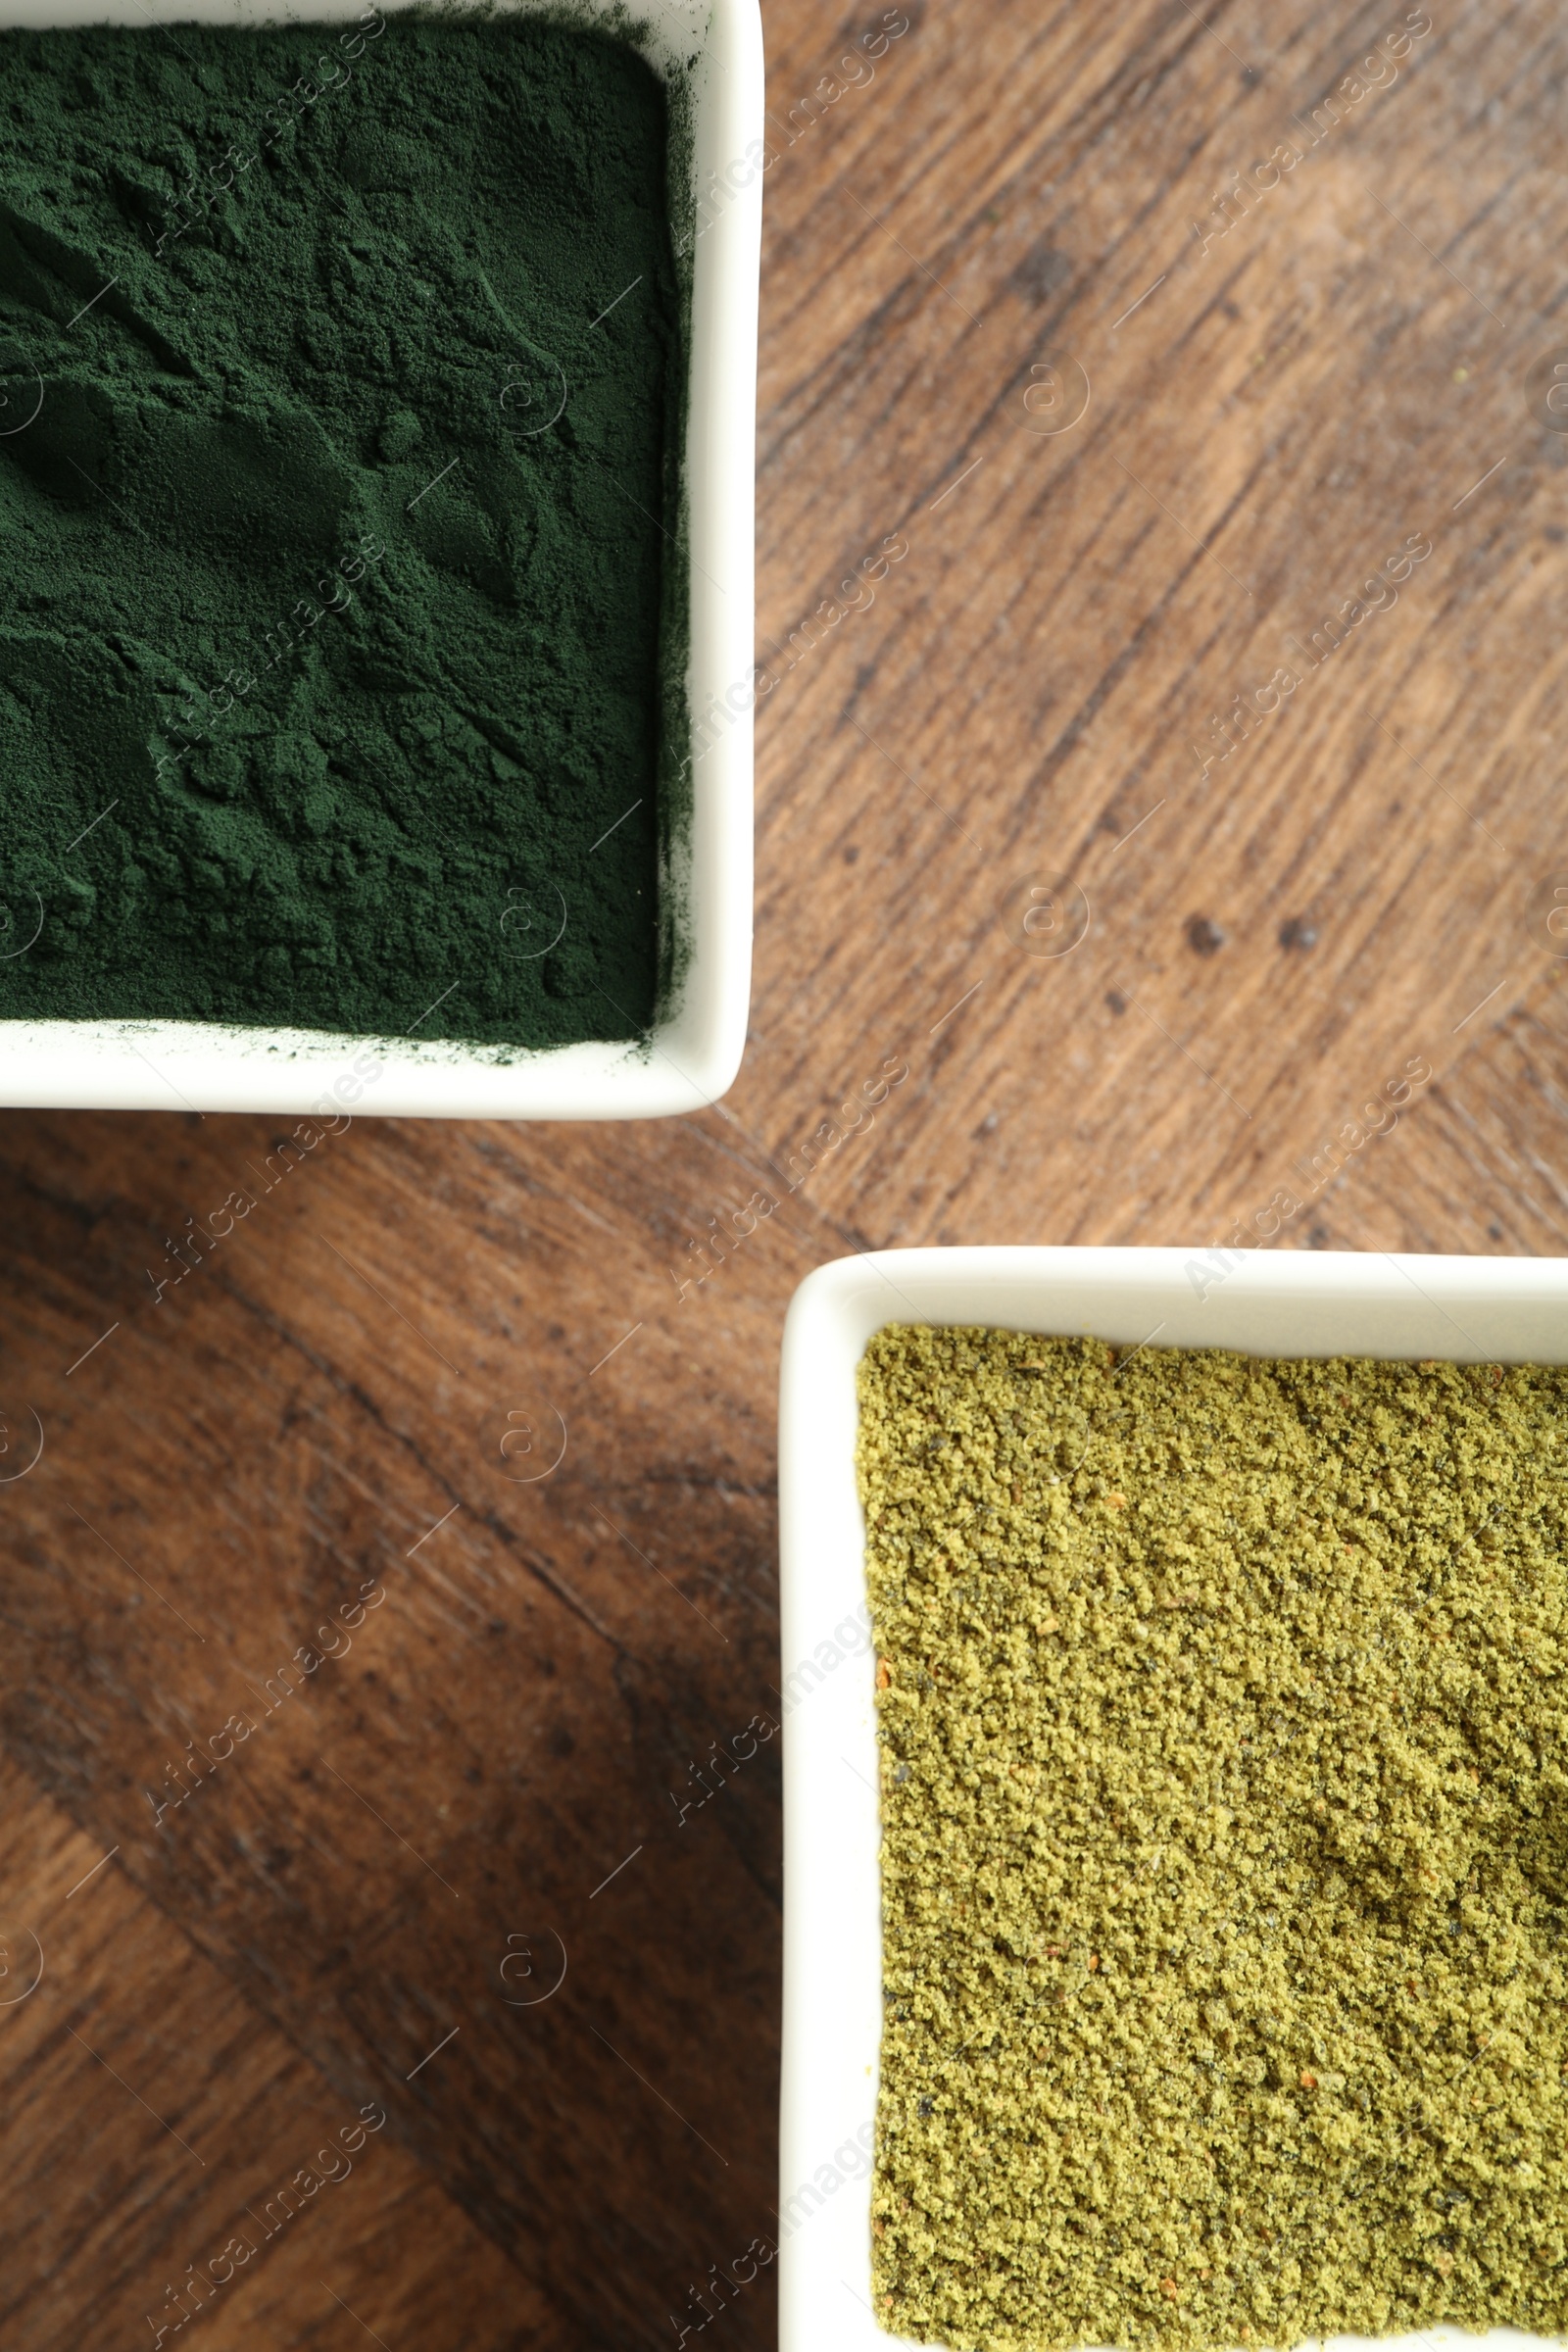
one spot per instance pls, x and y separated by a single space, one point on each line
695 1049
1476 1309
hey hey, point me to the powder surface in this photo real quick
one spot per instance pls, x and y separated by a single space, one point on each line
1225 1859
331 612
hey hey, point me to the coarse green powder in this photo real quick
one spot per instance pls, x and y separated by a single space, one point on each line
1225 1843
339 451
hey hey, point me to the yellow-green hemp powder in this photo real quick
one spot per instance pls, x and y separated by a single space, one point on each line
1225 1843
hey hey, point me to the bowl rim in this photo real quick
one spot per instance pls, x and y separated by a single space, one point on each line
693 1051
1286 1302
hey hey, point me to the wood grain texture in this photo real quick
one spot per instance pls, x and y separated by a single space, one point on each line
493 1769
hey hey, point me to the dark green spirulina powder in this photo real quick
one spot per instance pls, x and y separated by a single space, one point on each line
1225 1844
328 651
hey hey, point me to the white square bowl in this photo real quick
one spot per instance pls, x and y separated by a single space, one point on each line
694 1050
1290 1304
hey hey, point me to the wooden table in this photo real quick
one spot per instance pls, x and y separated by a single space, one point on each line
1144 951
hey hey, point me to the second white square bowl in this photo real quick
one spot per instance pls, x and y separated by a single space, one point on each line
1467 1309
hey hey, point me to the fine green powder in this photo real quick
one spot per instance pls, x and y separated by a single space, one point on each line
1225 1843
335 615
